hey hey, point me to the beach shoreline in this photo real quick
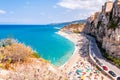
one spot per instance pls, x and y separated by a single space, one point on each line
67 36
80 59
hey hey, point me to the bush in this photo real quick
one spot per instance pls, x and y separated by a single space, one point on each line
113 25
35 55
114 60
99 23
15 53
11 53
76 31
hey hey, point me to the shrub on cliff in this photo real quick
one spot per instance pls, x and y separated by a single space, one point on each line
99 23
113 25
14 53
8 41
112 59
34 54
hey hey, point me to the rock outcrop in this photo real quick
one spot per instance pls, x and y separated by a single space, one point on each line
74 27
105 26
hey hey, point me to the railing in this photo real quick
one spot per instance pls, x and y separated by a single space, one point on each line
90 55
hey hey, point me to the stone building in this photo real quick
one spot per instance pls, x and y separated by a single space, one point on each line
108 6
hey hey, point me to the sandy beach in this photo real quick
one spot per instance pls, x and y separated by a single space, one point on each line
79 67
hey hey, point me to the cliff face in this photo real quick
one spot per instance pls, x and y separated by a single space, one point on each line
105 26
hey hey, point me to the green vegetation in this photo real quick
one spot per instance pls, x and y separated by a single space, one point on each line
11 52
114 60
99 23
111 13
113 25
7 41
3 45
76 31
35 55
14 53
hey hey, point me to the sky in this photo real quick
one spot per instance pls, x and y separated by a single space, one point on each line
46 11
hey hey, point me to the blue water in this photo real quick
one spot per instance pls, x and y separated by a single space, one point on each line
43 39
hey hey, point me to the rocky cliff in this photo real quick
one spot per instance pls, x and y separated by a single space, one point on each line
74 27
105 26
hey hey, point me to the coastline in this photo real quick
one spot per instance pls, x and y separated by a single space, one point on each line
80 60
67 36
73 60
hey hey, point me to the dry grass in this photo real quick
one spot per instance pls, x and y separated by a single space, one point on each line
15 53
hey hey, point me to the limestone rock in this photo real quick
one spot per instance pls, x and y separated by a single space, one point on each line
106 27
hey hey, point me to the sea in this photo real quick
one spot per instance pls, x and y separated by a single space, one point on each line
42 39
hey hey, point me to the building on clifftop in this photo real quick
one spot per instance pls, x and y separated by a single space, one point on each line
108 6
118 2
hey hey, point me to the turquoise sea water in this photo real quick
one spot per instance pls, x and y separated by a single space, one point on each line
43 39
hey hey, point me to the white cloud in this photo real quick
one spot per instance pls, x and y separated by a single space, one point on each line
2 12
81 9
82 15
81 4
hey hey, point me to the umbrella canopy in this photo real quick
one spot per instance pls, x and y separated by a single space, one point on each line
78 71
82 77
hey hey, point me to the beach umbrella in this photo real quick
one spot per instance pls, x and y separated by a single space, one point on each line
84 73
88 69
82 77
78 71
